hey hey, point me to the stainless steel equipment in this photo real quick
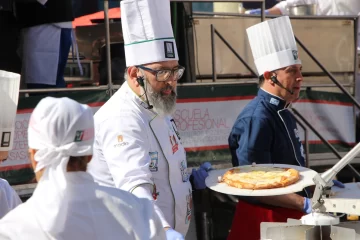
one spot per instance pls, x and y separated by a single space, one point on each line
303 10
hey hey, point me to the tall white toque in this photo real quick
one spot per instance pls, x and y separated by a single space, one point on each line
273 44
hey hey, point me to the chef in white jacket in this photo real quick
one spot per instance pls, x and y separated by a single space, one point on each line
67 203
137 145
324 7
9 96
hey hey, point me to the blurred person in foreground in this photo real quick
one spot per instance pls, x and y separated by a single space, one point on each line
67 203
9 96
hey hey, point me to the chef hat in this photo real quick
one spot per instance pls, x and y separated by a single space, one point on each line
9 96
147 32
273 44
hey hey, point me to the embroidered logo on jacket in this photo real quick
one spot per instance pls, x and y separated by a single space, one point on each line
274 101
183 168
173 124
302 151
153 161
174 143
155 193
120 142
189 203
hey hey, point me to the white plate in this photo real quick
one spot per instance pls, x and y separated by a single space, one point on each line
306 176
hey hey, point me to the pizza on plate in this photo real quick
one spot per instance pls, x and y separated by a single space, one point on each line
258 177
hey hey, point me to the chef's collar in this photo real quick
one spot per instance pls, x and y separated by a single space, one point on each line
276 102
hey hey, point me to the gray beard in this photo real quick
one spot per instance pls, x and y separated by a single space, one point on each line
163 105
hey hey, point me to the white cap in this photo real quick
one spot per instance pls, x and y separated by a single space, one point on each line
147 32
60 128
9 96
273 44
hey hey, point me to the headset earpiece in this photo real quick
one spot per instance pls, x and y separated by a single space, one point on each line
274 79
140 80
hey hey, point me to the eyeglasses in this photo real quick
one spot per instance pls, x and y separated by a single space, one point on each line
164 74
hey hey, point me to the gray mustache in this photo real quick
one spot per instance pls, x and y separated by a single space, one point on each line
168 88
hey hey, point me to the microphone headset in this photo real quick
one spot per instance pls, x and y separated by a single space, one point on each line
276 81
140 80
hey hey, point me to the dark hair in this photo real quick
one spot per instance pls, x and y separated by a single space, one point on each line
261 80
76 164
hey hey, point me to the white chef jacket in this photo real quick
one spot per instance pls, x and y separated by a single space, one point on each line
9 199
326 7
134 149
91 212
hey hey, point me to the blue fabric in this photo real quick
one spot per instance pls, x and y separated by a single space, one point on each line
307 206
199 175
265 132
257 11
338 184
171 234
206 166
65 44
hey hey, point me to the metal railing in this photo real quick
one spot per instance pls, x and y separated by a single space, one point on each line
262 7
213 58
327 73
298 114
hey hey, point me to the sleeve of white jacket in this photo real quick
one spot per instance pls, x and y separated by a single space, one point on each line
284 5
142 192
145 211
9 198
13 198
125 146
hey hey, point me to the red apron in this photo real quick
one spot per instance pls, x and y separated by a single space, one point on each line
247 219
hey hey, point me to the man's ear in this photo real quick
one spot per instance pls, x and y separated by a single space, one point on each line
32 158
267 75
132 73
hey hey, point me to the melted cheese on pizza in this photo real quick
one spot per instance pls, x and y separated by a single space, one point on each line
259 175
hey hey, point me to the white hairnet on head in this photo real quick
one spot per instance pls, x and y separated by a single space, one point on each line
60 128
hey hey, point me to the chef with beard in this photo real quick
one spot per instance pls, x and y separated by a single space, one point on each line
137 146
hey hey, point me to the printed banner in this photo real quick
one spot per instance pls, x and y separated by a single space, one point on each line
204 118
333 120
205 125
